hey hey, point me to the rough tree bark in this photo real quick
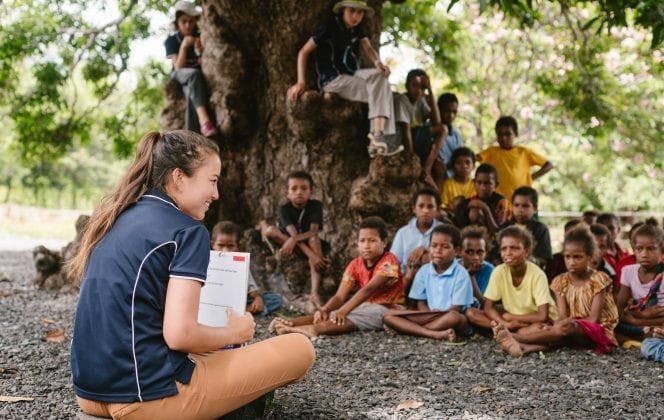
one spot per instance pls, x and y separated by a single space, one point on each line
249 62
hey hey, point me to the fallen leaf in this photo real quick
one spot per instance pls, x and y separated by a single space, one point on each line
4 293
542 356
454 363
55 336
47 321
10 370
408 404
455 343
10 399
481 389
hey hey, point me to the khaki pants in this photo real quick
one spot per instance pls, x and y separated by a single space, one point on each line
222 381
368 86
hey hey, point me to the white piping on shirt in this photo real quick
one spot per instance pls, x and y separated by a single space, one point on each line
159 198
133 296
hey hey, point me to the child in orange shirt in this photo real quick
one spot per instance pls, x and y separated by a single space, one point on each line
512 162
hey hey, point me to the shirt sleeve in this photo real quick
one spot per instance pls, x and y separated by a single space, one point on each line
349 276
283 216
541 293
535 158
388 268
492 291
418 288
322 32
463 290
316 215
192 256
172 46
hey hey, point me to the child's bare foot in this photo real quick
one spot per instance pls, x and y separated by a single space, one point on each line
389 330
506 341
277 322
307 330
447 334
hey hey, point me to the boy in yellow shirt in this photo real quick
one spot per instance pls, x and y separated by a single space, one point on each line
512 162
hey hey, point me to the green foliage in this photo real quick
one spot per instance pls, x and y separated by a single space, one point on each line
589 102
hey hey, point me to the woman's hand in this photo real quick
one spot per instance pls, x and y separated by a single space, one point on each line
295 91
241 327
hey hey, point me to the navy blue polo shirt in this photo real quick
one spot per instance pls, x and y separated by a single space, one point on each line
337 49
118 350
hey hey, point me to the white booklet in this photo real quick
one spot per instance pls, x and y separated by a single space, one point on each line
225 287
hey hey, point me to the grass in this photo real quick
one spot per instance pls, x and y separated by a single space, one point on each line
35 222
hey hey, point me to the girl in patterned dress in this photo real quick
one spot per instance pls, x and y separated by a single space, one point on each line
587 313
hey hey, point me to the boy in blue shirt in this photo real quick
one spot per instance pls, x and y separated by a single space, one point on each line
442 289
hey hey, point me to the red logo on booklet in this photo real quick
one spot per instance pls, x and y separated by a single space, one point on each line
238 258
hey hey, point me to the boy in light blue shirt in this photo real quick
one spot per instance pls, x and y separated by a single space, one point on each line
473 252
411 242
442 290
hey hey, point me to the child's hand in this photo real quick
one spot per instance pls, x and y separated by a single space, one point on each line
508 317
241 327
652 312
415 257
320 316
319 263
257 306
658 332
295 91
339 318
287 248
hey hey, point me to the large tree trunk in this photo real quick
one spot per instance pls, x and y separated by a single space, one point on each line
249 62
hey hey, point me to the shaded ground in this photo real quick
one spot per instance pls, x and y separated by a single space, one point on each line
355 376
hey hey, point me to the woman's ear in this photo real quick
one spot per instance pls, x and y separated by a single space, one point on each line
177 176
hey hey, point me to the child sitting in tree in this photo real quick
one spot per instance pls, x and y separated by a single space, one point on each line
557 264
518 283
586 309
461 183
524 207
473 251
413 110
448 105
376 279
513 163
442 290
411 242
184 48
225 237
641 295
335 43
299 223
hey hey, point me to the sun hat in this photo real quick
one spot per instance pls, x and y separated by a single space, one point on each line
187 7
357 4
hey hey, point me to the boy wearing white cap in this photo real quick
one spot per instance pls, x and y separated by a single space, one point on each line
335 43
184 48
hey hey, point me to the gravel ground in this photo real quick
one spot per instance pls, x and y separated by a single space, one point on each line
355 376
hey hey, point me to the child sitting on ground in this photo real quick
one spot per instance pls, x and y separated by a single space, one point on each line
299 222
614 252
557 264
590 217
587 313
486 208
448 105
335 42
411 242
413 109
518 283
473 251
376 276
630 258
184 48
524 207
641 295
602 239
461 183
225 237
513 163
442 290
653 348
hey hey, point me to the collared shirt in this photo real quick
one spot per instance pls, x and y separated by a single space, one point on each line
452 142
408 238
443 290
118 349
